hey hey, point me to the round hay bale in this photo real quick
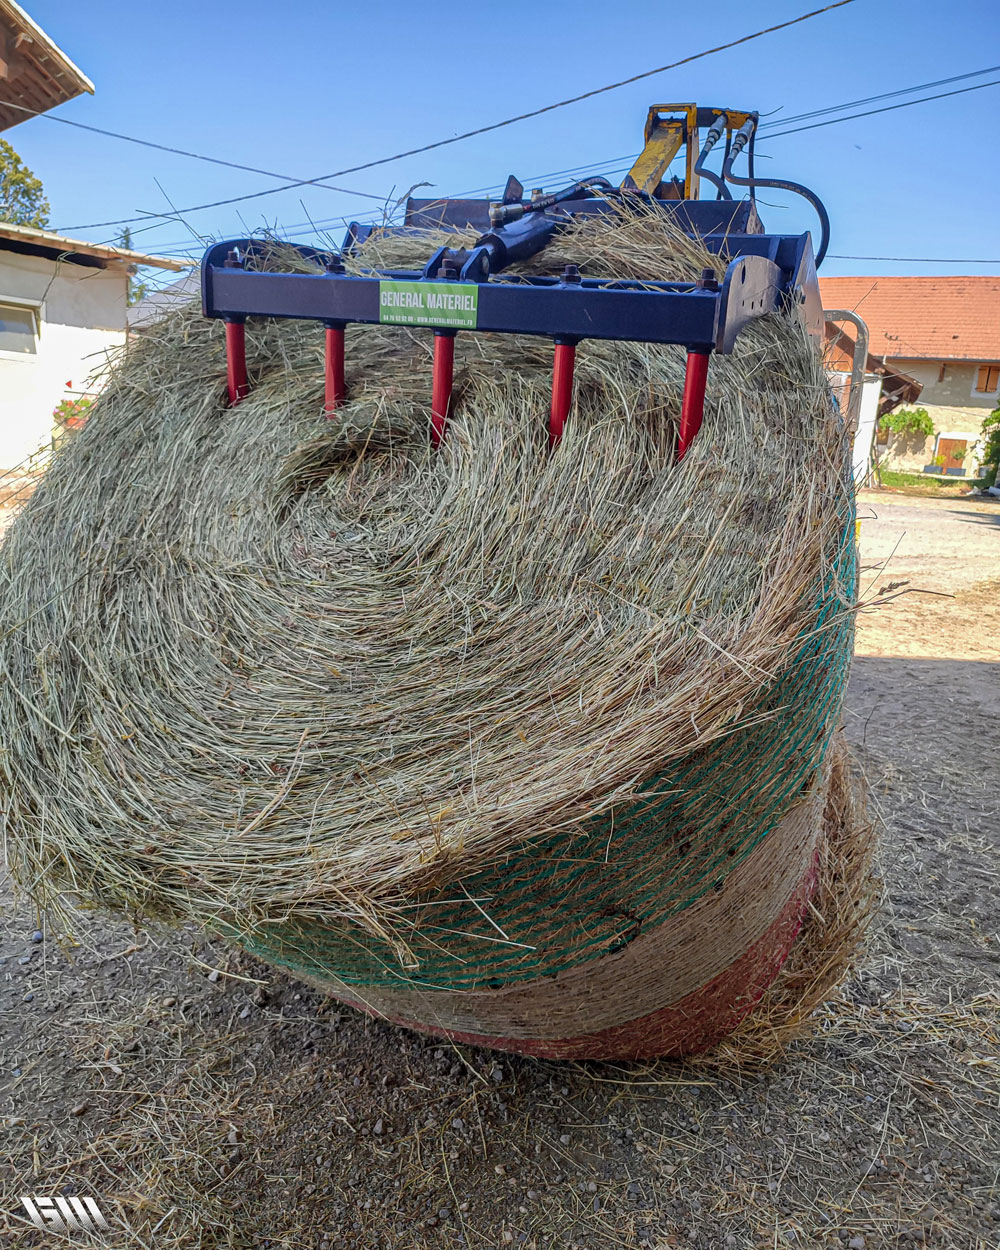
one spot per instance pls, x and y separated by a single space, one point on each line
521 746
848 888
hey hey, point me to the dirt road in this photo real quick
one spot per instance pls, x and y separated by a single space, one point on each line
943 557
206 1102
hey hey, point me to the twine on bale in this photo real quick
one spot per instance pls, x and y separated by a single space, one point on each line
836 922
289 675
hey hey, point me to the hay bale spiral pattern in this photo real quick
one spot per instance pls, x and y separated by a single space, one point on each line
450 721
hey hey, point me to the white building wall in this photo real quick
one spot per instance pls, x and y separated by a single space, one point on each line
871 393
82 315
865 417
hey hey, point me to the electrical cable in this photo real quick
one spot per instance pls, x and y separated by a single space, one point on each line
482 130
872 99
921 260
195 156
630 157
889 108
112 134
306 228
830 122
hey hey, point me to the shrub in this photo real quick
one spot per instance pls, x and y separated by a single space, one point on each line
908 422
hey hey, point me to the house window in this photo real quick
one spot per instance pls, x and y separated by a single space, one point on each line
988 379
18 329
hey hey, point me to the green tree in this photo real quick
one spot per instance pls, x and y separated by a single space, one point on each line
136 290
990 454
22 196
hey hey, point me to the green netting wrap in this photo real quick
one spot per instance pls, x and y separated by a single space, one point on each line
565 899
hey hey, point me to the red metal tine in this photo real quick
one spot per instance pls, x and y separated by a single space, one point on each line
236 351
444 370
236 362
562 388
335 386
693 402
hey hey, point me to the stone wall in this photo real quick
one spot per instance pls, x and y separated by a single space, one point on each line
954 406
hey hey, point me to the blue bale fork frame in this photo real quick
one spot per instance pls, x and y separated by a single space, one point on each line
467 288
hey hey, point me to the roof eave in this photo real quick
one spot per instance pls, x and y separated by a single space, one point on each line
61 245
940 358
69 67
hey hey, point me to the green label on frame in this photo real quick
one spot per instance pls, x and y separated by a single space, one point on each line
451 304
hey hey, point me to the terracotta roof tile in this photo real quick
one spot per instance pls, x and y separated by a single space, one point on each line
945 318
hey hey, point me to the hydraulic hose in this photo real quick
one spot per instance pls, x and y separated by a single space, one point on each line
711 139
746 132
504 214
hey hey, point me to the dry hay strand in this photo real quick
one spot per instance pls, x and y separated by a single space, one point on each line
262 665
832 939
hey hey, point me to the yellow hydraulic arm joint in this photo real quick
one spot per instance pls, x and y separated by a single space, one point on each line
669 127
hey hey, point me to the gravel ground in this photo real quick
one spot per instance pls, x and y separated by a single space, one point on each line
208 1102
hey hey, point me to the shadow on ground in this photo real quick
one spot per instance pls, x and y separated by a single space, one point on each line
208 1102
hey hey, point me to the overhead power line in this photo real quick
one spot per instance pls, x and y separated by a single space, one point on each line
164 147
921 260
608 162
481 130
607 165
887 109
872 99
215 160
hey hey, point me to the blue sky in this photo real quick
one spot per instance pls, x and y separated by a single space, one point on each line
314 87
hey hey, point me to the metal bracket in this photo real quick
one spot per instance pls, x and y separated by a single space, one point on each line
752 287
